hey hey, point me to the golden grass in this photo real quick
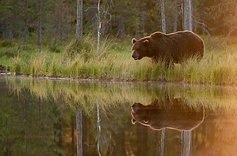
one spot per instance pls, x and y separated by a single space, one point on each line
113 61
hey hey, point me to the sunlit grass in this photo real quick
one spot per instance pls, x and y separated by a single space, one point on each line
113 62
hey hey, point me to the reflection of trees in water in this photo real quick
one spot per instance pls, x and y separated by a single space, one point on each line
29 126
119 131
57 129
117 136
98 128
79 132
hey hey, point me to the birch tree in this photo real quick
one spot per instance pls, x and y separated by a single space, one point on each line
99 26
187 25
163 21
175 26
79 27
195 16
121 26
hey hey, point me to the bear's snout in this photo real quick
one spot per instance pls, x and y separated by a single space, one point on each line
136 107
135 55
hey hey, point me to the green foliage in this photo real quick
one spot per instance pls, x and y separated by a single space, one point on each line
85 47
8 52
55 47
6 43
8 48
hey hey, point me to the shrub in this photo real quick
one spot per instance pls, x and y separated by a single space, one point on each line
84 47
55 47
6 43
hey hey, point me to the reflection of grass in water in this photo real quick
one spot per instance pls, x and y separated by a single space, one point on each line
109 95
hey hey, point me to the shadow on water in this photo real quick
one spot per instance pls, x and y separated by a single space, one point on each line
42 117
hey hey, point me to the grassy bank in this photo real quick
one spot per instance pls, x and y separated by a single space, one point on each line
114 62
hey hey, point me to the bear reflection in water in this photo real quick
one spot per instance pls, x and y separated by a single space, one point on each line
171 114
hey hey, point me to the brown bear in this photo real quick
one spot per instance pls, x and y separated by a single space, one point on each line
171 113
170 48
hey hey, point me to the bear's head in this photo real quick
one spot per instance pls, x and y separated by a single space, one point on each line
140 48
140 114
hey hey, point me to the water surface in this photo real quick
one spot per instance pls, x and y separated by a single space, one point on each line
45 117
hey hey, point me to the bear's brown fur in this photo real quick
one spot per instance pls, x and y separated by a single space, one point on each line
170 48
172 114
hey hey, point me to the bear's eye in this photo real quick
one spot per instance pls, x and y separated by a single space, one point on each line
136 48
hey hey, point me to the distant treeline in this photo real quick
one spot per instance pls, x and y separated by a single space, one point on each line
57 20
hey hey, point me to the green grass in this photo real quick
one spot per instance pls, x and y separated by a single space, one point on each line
114 62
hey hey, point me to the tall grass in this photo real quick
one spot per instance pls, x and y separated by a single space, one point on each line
113 62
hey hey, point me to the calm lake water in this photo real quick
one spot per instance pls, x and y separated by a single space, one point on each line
47 118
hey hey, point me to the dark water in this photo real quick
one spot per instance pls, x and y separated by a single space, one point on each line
39 117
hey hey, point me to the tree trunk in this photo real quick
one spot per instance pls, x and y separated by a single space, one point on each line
195 16
175 16
163 21
79 28
121 26
79 132
26 24
61 23
39 31
187 15
99 26
121 21
9 35
141 20
203 16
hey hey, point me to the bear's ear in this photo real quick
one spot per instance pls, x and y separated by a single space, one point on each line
146 42
134 40
133 121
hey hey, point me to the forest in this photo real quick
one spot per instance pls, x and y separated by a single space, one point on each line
69 84
92 39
